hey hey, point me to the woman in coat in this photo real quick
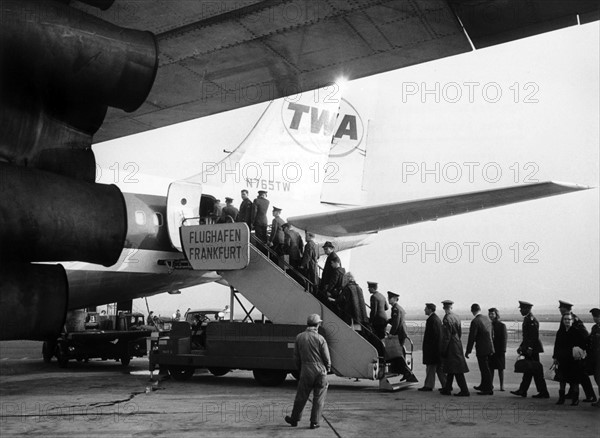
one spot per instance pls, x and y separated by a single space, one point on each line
499 338
569 341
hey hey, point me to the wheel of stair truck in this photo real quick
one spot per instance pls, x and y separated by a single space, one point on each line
269 377
181 373
48 351
63 360
219 371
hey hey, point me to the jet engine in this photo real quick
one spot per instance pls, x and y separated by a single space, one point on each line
60 69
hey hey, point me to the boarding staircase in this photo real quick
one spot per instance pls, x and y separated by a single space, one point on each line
284 301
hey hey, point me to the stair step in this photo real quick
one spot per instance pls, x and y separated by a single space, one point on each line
393 382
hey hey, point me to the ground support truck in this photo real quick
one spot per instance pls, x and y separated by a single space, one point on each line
265 349
120 338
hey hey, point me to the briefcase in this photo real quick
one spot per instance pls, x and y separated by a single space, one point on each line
393 349
528 366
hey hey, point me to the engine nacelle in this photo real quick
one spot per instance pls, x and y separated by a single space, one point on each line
33 301
49 217
66 53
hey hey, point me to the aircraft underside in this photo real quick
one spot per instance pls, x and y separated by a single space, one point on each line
93 288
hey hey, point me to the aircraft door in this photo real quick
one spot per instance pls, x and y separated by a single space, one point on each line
183 202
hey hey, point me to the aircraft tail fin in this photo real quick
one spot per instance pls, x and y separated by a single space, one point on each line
287 153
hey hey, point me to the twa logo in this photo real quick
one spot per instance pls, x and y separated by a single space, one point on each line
321 130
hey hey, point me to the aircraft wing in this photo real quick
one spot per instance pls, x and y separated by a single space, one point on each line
216 56
375 218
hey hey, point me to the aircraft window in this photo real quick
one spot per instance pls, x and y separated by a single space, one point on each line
140 217
158 219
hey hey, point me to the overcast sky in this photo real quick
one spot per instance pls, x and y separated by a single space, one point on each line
521 112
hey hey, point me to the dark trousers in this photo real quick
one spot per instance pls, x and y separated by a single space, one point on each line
379 328
261 232
538 377
486 374
460 380
586 384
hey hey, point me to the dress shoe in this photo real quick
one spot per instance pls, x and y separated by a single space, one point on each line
314 425
541 395
590 399
575 401
477 388
519 393
490 392
425 389
462 394
596 405
291 422
445 392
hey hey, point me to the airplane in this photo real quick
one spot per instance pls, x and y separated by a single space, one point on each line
213 60
301 130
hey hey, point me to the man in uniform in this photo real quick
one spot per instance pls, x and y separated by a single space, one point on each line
379 305
229 212
565 308
328 269
259 215
311 355
453 359
398 328
245 212
277 237
431 349
531 347
480 335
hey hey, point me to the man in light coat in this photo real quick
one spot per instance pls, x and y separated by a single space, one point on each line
453 358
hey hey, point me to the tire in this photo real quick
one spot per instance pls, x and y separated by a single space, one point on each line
269 377
47 352
63 361
219 371
181 373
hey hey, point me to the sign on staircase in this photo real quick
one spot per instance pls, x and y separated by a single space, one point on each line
216 247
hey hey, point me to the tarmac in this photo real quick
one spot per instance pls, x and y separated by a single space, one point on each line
103 398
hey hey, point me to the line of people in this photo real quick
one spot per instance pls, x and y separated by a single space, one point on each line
576 354
443 353
282 238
